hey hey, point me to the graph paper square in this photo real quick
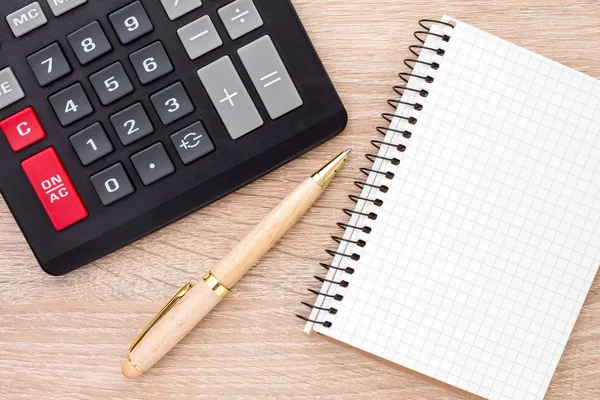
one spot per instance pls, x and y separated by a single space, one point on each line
488 239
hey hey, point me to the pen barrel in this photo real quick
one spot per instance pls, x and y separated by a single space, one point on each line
268 232
171 328
188 311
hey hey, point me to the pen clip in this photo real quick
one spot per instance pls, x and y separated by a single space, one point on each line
182 292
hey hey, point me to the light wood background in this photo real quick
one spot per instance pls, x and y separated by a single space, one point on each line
65 338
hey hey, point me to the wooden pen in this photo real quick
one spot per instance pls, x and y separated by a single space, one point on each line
193 302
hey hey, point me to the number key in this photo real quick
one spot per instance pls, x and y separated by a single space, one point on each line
71 104
112 184
111 83
178 8
49 64
151 63
132 124
89 43
91 144
131 22
172 103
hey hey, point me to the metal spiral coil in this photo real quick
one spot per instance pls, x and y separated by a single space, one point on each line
410 63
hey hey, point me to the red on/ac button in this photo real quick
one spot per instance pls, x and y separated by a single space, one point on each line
22 129
54 189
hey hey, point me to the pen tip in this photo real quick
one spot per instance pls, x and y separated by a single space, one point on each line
348 150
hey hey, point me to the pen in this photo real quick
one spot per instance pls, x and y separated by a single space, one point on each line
193 302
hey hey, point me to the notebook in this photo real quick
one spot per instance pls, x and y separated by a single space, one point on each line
476 236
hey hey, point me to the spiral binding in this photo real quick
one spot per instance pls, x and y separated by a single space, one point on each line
410 63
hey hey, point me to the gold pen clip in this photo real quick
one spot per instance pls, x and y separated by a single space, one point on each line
182 292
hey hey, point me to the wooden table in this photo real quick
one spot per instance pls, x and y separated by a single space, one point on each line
66 337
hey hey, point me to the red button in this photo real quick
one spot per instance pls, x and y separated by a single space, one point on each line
23 129
54 188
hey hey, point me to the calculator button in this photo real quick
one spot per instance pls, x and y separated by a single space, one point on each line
178 8
26 19
131 22
91 144
240 18
60 7
270 77
54 189
152 164
172 103
151 63
199 37
230 97
111 83
23 129
71 104
89 43
10 89
192 143
132 124
49 64
112 184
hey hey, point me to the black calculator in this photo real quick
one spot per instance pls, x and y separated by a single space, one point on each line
119 117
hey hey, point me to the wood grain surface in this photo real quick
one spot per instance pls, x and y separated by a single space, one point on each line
65 338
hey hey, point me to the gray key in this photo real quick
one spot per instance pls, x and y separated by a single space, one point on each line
10 89
199 37
152 164
192 143
112 184
178 8
26 19
172 103
151 63
132 124
230 97
240 18
89 43
131 22
111 83
71 104
59 7
49 64
91 144
270 77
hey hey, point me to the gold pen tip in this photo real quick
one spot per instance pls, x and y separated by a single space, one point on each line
348 150
324 176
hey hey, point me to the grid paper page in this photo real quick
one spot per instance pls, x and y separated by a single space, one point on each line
487 241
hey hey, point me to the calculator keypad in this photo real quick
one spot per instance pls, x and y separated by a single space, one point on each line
60 7
240 17
132 124
151 63
131 22
26 19
111 83
172 103
49 64
89 43
71 104
91 144
152 164
230 97
112 184
199 37
10 89
178 8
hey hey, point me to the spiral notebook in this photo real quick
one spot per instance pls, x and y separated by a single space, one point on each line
476 236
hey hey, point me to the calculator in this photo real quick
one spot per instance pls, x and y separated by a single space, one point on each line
119 117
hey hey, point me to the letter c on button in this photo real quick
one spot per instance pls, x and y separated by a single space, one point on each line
20 129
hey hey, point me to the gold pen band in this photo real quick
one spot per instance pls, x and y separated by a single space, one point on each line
214 285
